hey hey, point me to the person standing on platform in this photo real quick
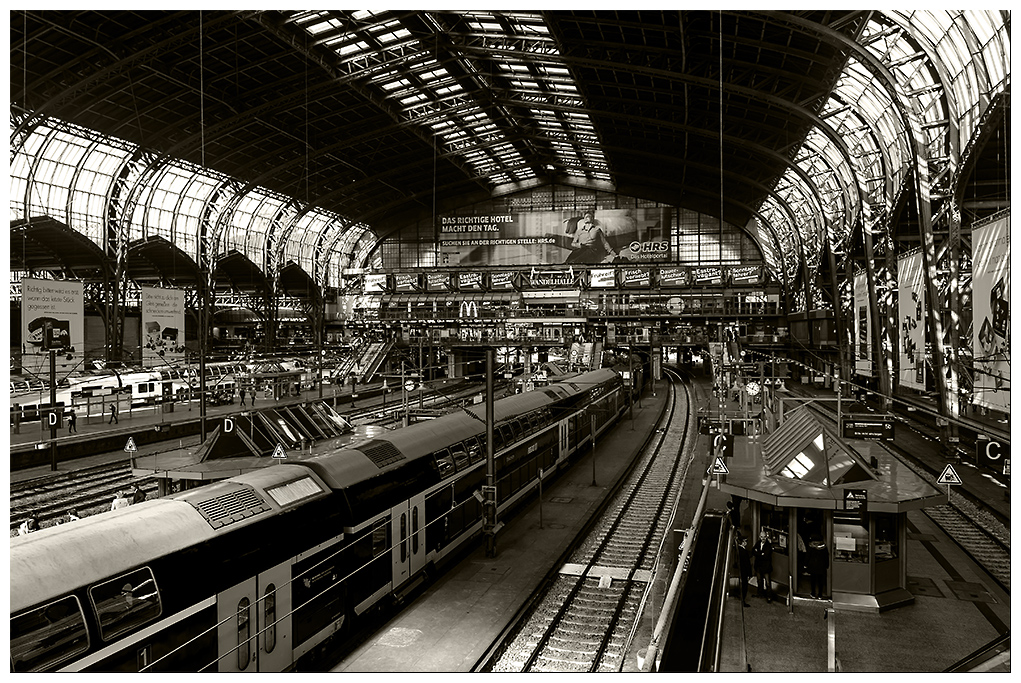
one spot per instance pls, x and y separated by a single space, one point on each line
137 495
120 501
255 390
242 396
763 552
28 526
113 414
72 422
744 566
818 563
72 515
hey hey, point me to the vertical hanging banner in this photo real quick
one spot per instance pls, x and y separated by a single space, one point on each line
863 338
911 311
991 322
52 317
162 325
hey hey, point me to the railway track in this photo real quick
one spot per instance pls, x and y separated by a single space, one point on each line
583 619
89 490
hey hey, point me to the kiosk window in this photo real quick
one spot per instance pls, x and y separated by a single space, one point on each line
850 538
887 537
774 522
125 603
47 636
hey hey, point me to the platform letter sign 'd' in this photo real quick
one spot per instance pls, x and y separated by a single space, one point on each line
948 477
228 425
130 446
278 452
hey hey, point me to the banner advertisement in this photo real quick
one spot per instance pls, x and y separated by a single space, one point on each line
550 237
601 278
707 275
407 282
469 282
911 312
437 282
746 275
502 281
52 317
673 277
636 277
991 326
862 337
375 282
162 325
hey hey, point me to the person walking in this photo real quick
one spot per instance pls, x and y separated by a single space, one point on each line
763 552
744 566
242 396
113 414
818 563
72 422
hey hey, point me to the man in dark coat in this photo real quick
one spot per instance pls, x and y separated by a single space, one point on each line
763 552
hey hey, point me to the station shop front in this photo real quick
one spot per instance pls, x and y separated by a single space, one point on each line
801 483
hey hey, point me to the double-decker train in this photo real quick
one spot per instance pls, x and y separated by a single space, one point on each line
257 572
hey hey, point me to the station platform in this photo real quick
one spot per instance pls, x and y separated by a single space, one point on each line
958 608
449 626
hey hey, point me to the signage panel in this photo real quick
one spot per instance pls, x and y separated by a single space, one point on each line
870 427
162 325
52 317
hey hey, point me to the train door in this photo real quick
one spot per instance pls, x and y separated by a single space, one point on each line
254 623
407 522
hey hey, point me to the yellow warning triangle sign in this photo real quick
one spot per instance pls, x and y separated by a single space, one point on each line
130 446
949 476
279 451
719 467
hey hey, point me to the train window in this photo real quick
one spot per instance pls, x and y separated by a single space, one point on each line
515 426
506 436
244 632
460 456
444 463
414 530
269 612
46 636
475 450
125 603
404 537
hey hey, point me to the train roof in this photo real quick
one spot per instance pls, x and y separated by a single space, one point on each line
370 458
56 560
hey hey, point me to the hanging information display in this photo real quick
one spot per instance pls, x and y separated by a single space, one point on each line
911 311
991 321
162 325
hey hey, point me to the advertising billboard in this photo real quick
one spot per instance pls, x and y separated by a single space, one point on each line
162 325
52 318
911 316
991 326
622 236
862 337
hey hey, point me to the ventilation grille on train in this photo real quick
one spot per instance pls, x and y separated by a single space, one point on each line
231 507
382 453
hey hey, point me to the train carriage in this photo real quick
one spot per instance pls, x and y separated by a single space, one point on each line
256 572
